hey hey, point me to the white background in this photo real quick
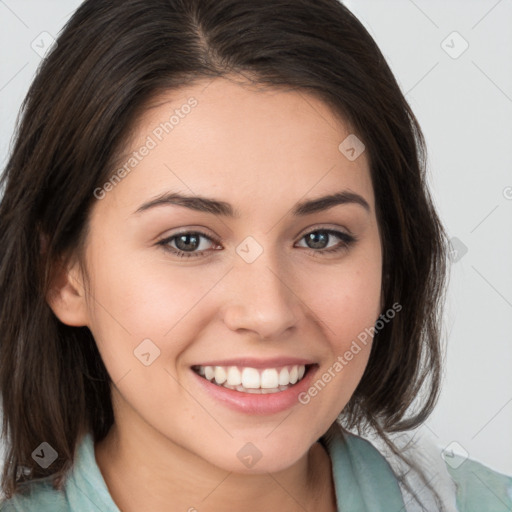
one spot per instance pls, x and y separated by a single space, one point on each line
464 106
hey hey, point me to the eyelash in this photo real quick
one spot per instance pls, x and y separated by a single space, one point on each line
346 241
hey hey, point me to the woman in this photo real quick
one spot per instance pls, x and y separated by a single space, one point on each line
221 267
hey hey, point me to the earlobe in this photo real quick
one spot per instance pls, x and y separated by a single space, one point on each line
66 296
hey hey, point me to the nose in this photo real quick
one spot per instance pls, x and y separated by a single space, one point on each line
259 298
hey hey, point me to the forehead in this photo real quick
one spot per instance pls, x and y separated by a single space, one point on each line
242 142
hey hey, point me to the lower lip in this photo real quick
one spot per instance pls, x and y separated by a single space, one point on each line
251 403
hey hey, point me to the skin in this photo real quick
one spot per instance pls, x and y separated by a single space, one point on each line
173 446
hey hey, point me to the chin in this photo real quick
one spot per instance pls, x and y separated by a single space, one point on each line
261 455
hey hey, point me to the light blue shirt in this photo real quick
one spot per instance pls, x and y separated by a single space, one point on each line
363 480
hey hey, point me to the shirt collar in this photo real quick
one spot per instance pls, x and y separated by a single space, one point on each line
363 479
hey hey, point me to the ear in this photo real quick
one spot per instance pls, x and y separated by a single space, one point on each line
66 296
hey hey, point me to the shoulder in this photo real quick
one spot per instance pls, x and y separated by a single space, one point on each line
83 488
479 487
455 483
36 497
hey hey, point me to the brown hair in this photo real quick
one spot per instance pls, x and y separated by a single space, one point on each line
111 59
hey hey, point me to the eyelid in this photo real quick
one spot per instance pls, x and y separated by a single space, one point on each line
201 230
324 227
164 241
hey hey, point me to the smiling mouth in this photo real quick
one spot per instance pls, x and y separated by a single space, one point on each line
253 380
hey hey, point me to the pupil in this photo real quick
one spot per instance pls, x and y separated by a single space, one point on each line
315 237
186 239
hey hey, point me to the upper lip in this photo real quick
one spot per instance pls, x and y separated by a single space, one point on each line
251 362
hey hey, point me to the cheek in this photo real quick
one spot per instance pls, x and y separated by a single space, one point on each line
350 308
146 298
346 298
135 300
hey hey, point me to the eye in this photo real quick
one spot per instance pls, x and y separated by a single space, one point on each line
190 243
318 241
187 244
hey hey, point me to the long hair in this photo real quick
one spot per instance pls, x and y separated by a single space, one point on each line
111 59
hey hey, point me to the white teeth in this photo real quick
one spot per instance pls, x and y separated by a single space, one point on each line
284 377
252 380
220 375
208 372
234 376
269 379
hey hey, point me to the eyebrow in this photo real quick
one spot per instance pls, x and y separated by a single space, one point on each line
214 206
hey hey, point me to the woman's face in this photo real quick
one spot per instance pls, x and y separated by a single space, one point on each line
271 283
